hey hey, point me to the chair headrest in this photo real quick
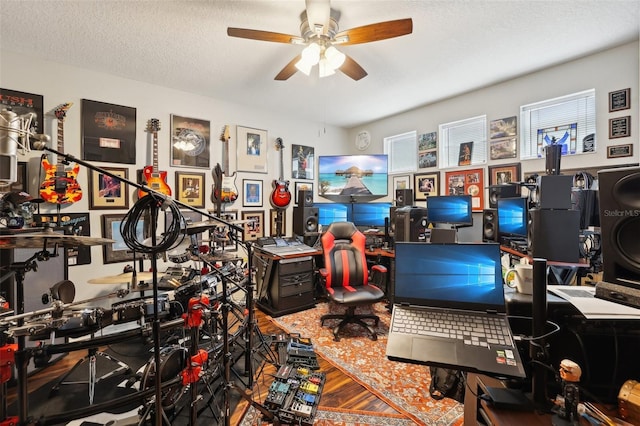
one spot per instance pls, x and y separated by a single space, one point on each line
342 230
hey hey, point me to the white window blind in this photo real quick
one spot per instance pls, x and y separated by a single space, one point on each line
457 135
402 151
568 119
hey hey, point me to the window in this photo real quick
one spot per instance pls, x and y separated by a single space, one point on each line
570 120
464 142
402 151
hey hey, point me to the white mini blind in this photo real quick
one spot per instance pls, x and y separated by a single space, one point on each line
454 134
402 152
573 116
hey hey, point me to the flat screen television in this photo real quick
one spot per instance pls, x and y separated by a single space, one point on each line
512 217
353 175
452 209
370 214
333 212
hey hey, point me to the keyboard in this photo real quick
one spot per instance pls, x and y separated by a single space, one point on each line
475 330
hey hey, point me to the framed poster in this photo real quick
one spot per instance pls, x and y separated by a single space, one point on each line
118 251
254 227
107 192
190 188
427 150
619 100
464 157
23 103
425 185
467 182
251 149
503 127
108 132
500 149
620 127
251 193
301 186
504 174
273 228
302 162
400 182
190 139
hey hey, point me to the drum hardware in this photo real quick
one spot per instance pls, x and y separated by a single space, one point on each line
124 278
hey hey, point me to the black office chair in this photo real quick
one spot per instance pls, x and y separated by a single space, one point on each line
346 278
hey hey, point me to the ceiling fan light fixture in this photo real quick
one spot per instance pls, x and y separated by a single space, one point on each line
311 54
304 67
334 57
325 69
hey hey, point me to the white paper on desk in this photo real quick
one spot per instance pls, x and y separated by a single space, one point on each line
583 298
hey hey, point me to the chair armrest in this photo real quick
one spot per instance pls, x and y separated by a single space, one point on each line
379 268
378 276
324 273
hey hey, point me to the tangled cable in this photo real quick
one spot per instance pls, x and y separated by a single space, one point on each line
142 210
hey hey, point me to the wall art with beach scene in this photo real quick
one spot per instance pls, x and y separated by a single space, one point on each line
353 175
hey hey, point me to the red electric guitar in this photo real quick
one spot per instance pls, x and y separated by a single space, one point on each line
154 178
60 185
280 197
224 187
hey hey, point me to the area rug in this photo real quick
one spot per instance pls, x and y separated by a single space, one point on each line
335 417
402 385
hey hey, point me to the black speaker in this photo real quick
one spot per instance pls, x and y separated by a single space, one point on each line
619 192
554 191
305 198
490 225
411 224
502 191
305 219
404 197
554 235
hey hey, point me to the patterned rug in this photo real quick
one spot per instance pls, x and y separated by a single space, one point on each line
326 416
403 386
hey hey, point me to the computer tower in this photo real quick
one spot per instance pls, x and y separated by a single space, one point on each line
411 224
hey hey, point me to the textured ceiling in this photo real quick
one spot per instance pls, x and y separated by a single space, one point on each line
456 46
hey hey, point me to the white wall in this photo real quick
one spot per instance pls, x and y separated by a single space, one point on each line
60 83
607 71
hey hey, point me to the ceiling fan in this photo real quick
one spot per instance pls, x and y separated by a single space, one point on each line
319 32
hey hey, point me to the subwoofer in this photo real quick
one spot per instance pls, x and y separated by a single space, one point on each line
554 235
554 191
404 197
502 191
305 198
305 220
490 225
619 192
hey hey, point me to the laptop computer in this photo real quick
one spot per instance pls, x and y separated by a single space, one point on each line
460 280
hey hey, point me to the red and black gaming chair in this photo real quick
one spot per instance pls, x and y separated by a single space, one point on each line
346 277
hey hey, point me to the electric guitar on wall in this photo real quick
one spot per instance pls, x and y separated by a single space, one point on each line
224 187
153 178
280 196
60 185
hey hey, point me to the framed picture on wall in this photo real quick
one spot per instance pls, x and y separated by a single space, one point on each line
254 227
302 162
108 132
504 174
400 182
467 182
251 193
108 192
301 186
118 251
251 146
273 222
190 139
425 185
190 188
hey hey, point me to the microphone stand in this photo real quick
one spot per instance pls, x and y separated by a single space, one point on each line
41 146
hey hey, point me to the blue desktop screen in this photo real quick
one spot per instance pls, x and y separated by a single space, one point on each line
512 216
333 212
370 214
454 209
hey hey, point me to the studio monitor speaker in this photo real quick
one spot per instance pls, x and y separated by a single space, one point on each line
619 191
502 191
490 225
554 191
554 235
305 198
404 197
305 220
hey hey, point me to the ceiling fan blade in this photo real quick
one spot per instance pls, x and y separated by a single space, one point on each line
352 69
264 35
375 32
318 14
289 69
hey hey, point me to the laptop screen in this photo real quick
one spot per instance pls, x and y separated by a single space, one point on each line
457 276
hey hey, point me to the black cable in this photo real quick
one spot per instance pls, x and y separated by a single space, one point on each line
128 226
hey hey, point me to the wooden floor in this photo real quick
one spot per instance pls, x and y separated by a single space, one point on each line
340 391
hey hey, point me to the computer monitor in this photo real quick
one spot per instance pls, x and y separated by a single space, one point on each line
512 217
370 214
333 212
452 209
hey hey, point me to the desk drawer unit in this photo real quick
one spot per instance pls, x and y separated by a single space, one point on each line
292 284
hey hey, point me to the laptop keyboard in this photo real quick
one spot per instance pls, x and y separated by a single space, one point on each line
475 330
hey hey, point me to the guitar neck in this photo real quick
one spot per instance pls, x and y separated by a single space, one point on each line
155 152
60 165
225 157
281 164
